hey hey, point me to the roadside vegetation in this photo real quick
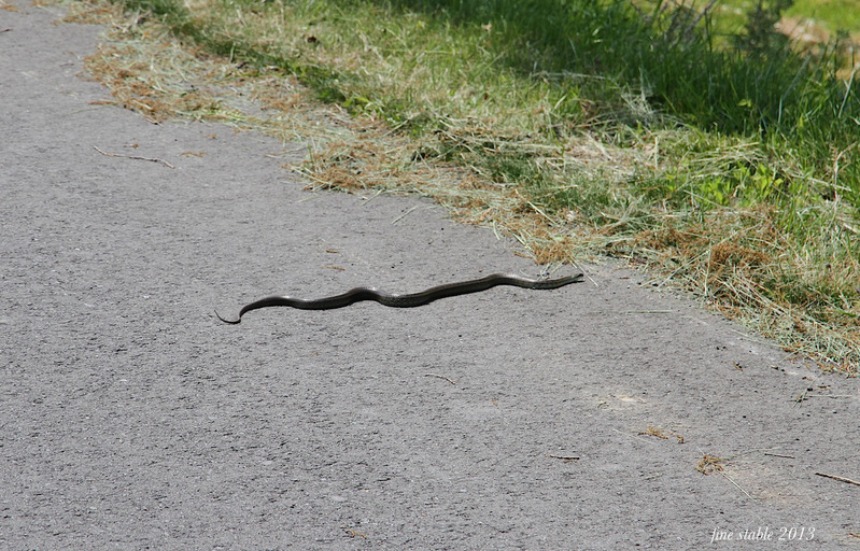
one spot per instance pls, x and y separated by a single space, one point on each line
695 140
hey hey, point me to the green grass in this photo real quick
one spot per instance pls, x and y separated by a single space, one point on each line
730 163
564 52
835 15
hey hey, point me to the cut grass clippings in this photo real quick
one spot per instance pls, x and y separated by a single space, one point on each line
752 205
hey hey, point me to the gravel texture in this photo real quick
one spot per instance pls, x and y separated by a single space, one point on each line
511 419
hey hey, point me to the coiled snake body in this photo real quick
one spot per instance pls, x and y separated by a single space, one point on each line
359 294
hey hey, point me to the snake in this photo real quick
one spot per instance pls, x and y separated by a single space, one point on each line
413 300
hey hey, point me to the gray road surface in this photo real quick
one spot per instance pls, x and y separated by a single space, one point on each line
131 419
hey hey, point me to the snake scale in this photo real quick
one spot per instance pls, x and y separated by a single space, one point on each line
359 294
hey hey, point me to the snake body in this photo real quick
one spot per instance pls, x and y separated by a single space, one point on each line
359 294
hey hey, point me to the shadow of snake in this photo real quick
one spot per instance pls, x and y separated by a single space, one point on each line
360 294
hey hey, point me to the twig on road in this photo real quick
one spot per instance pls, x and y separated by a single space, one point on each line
839 478
442 377
137 157
565 458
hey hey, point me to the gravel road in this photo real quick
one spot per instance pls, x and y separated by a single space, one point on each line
579 418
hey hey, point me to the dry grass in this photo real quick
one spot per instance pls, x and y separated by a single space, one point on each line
660 433
710 464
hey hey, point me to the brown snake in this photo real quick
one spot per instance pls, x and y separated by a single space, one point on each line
359 294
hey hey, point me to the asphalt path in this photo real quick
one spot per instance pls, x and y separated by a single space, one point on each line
131 418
